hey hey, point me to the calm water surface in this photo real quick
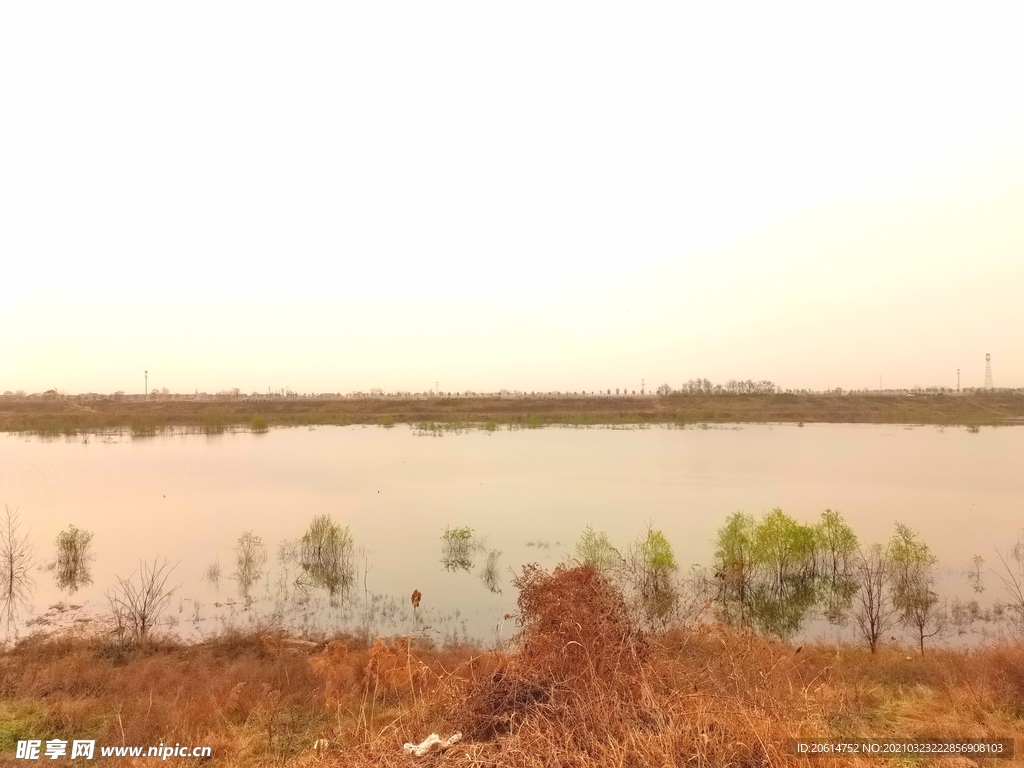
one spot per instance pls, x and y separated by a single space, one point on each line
189 497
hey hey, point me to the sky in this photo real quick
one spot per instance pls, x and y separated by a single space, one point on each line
332 197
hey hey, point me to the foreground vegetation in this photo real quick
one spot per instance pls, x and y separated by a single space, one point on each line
70 416
583 684
619 660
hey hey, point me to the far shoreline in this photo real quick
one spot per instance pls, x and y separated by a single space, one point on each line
55 415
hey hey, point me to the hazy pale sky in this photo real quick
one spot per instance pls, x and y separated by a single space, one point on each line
533 195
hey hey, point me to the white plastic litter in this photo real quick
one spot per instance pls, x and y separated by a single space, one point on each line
432 742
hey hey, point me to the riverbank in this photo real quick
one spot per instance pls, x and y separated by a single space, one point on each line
73 415
582 686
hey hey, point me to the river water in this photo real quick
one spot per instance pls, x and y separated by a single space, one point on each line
526 493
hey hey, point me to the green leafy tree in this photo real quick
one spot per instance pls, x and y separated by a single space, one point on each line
735 567
786 549
786 553
837 548
774 573
652 566
913 581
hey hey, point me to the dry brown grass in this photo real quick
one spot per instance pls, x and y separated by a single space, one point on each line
582 686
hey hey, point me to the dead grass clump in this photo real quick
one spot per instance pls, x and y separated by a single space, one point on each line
579 668
393 671
388 672
339 671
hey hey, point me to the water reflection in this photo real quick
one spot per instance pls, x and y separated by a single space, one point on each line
189 497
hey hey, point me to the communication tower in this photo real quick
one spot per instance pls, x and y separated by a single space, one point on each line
988 371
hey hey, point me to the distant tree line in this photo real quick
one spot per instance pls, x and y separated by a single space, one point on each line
732 387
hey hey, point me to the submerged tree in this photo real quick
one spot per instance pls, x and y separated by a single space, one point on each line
17 557
327 556
736 567
1012 577
651 568
137 602
974 574
458 546
250 558
776 572
873 611
786 552
837 553
212 574
913 579
74 556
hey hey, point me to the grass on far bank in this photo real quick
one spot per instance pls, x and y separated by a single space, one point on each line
142 418
582 685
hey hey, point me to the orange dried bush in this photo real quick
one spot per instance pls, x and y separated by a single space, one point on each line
392 671
339 671
578 646
388 672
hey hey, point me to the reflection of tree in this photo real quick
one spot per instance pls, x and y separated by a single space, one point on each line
17 556
489 572
74 556
457 548
250 557
781 609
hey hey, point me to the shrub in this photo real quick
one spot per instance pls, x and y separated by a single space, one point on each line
138 601
457 548
327 556
595 548
73 558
